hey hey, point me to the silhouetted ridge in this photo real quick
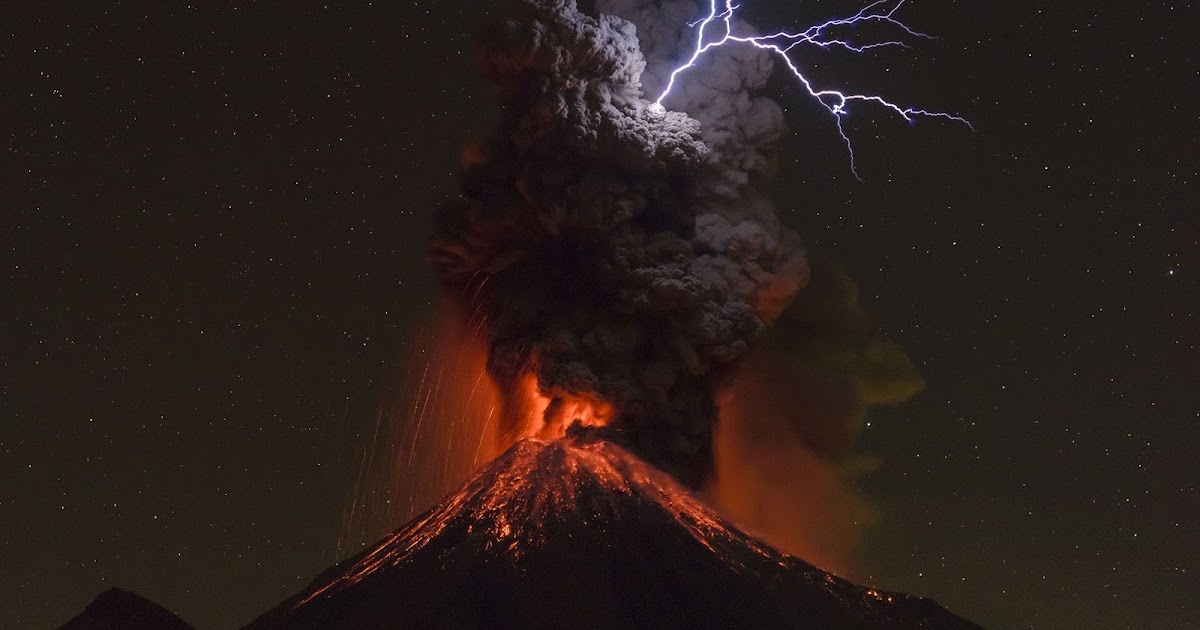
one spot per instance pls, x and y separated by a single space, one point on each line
117 609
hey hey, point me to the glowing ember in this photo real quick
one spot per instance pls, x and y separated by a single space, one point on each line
549 417
579 532
537 482
450 419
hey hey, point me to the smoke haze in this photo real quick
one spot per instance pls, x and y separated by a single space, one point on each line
789 421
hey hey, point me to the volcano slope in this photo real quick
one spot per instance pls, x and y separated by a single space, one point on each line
580 533
117 609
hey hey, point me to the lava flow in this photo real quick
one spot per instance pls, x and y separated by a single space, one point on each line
579 532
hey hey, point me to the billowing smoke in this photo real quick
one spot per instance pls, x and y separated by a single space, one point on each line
618 254
792 412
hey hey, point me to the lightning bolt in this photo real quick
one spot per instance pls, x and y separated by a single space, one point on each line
783 42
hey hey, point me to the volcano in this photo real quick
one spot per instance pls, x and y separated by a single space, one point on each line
579 533
117 609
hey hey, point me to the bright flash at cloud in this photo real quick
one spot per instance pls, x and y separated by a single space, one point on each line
783 42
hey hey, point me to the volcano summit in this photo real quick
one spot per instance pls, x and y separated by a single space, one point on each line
580 533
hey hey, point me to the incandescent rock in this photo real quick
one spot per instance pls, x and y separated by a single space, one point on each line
580 533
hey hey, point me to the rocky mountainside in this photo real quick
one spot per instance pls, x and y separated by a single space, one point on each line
580 533
116 609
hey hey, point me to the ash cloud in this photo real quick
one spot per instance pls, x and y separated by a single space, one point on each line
618 253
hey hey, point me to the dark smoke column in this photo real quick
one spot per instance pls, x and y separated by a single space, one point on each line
621 256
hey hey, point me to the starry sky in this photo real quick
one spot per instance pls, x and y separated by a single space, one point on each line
213 257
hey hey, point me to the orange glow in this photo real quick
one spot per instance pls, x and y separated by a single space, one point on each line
447 419
779 489
439 424
551 481
548 417
473 154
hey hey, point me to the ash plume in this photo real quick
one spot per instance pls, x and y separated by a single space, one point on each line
618 253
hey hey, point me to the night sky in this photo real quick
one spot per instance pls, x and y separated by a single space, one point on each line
213 255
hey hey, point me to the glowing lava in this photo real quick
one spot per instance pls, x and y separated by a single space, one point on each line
548 416
508 505
579 532
448 418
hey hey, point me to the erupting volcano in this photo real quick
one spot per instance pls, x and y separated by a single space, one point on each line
637 335
628 290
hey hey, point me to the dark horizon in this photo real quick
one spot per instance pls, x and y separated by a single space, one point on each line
217 256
